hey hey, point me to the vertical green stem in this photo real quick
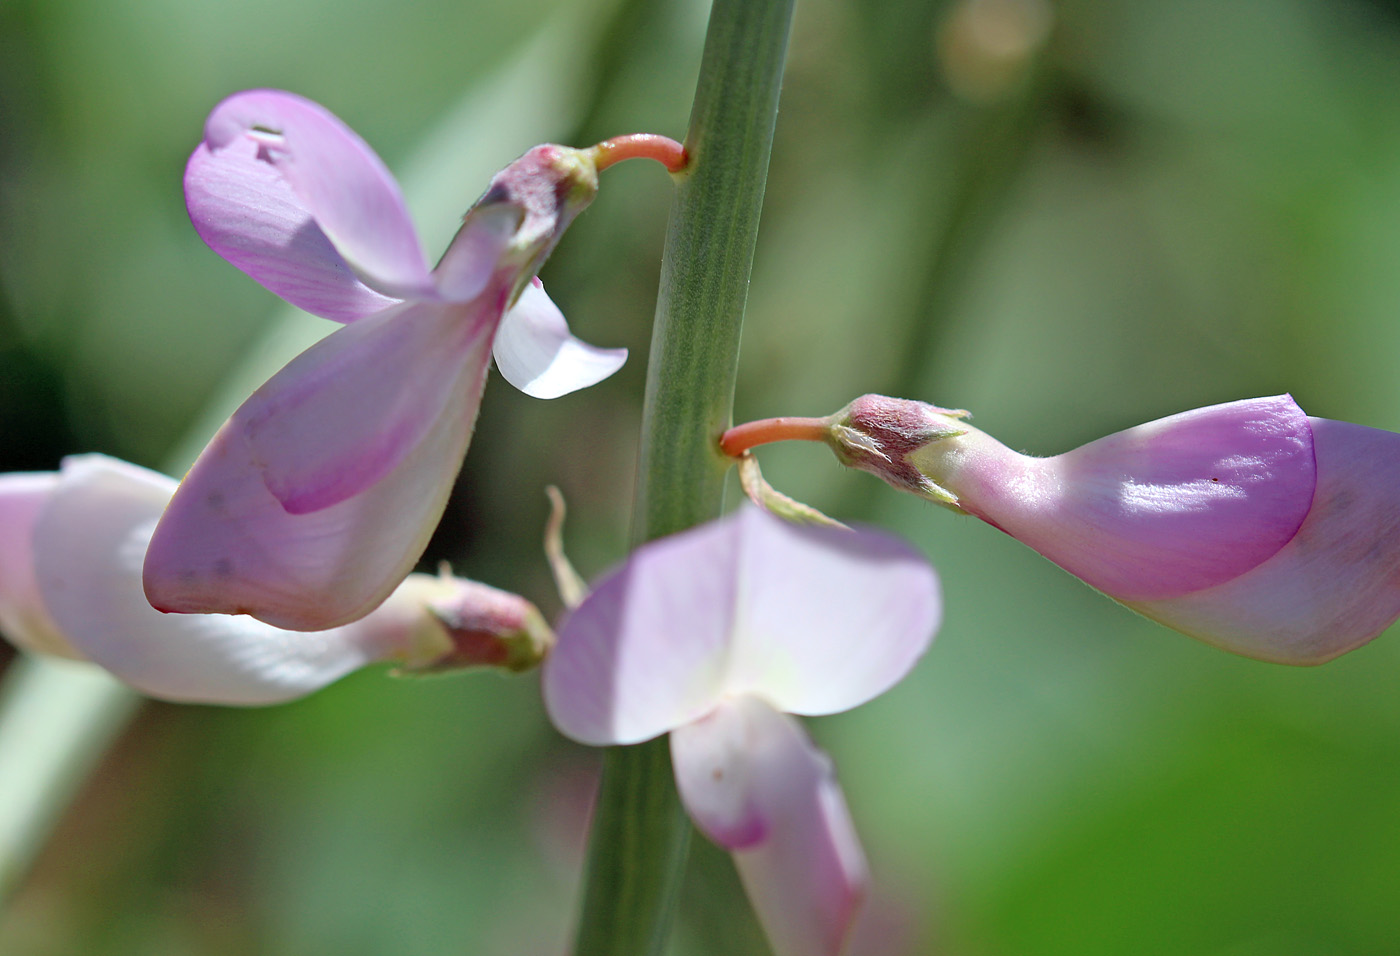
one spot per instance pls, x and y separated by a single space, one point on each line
640 831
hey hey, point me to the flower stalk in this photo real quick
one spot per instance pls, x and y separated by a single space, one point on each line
663 149
765 431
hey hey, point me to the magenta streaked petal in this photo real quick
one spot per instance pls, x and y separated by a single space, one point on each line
1334 586
89 543
227 545
345 413
753 782
246 212
336 177
537 354
1160 510
646 651
815 620
23 617
828 618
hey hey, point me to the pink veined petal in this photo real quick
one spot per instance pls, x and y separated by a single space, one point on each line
227 545
336 177
344 413
828 618
536 353
89 543
1159 510
753 782
243 208
23 617
646 651
1335 585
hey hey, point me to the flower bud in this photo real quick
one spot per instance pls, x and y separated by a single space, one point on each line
1247 525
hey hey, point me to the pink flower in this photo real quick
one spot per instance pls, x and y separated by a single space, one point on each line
318 496
1247 525
716 635
71 547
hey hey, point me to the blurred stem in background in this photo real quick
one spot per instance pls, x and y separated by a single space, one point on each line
995 144
1004 90
638 844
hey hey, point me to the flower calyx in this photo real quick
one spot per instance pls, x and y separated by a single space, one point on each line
466 625
549 186
887 437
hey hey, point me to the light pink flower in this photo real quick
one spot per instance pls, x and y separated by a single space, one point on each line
1247 525
717 634
319 494
71 548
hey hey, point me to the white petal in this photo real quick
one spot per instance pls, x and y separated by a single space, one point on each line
753 782
23 617
89 544
536 353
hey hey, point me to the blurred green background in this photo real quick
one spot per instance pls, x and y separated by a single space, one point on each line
1067 218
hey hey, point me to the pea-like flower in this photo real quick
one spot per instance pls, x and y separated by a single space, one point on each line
1248 525
71 548
319 494
717 635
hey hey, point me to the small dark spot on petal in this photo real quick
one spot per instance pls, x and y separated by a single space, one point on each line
223 567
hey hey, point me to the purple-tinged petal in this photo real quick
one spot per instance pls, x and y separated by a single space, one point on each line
475 252
226 544
828 618
536 353
646 651
753 782
1335 585
23 617
335 177
243 208
815 620
1153 512
89 542
345 413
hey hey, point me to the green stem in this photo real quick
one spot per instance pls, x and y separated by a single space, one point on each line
638 844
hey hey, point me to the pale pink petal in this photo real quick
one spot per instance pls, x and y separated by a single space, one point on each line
89 544
753 782
815 620
1335 585
226 544
828 618
243 208
646 651
536 353
344 413
1156 511
23 617
335 177
475 252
